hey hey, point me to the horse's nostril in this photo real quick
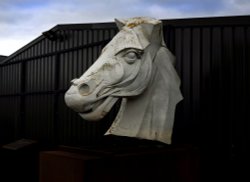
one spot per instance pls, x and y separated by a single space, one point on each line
84 89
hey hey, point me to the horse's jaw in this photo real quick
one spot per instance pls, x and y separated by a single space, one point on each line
100 111
89 107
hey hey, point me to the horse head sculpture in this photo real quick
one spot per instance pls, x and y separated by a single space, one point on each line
137 67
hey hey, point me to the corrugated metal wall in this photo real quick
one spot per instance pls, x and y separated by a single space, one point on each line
36 79
212 59
213 63
2 58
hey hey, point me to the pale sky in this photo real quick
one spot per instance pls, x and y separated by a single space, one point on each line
21 21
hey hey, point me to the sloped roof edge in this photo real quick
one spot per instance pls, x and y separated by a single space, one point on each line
227 20
61 27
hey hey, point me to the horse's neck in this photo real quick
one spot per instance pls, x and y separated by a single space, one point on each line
142 116
151 114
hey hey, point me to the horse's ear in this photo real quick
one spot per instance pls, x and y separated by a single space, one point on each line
147 30
154 33
157 35
120 23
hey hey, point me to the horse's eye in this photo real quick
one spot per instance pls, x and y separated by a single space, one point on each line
130 57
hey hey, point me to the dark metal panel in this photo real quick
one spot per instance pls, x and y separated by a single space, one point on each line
69 68
39 74
196 82
80 59
67 40
178 50
85 60
1 80
9 81
61 72
39 52
9 115
85 37
89 36
51 64
74 69
247 99
35 74
67 71
90 60
48 46
53 45
39 117
42 48
186 73
113 32
28 76
80 38
217 89
227 84
206 86
240 94
7 78
67 64
169 37
106 34
60 44
76 38
178 53
5 86
196 64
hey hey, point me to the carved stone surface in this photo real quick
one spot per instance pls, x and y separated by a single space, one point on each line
137 67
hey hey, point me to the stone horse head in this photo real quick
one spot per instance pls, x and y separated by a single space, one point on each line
137 67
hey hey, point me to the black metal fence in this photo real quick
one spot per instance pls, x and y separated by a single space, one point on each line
33 81
212 59
2 58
